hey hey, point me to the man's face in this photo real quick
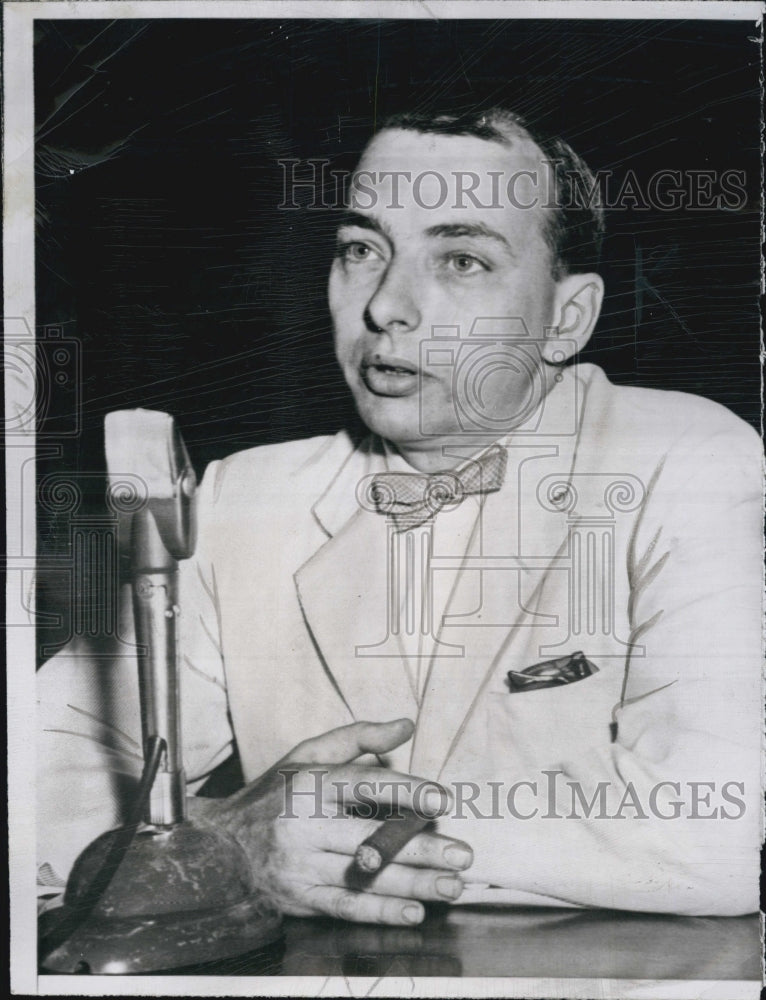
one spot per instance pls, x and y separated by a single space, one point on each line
430 255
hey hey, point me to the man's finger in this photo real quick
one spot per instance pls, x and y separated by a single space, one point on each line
363 907
366 787
394 880
330 791
432 850
339 746
426 850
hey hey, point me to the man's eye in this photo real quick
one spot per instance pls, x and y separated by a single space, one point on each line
355 253
465 263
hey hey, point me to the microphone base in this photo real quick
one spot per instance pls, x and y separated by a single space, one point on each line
181 897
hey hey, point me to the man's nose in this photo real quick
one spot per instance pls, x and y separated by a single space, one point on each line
394 304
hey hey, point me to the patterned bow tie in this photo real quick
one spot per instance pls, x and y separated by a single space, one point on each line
411 498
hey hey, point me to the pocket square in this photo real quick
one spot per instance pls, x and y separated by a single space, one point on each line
551 673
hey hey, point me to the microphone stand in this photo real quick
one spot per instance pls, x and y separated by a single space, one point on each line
162 893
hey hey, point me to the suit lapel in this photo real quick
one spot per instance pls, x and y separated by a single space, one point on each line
343 588
519 529
343 591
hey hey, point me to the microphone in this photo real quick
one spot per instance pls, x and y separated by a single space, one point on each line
161 893
148 444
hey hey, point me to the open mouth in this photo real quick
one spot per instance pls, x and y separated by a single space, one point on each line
396 369
389 363
389 376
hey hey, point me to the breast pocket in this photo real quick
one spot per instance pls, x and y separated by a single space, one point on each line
545 728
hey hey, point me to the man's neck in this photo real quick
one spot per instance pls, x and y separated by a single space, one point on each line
443 457
443 454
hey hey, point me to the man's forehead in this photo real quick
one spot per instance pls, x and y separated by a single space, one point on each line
407 175
406 150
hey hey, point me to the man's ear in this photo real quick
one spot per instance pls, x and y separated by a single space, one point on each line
577 305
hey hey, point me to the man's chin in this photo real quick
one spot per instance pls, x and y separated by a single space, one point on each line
403 423
408 436
393 419
401 436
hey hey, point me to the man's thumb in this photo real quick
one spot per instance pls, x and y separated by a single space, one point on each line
340 746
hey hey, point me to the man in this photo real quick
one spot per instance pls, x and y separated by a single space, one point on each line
373 638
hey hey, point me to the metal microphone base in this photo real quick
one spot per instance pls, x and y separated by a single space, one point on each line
181 896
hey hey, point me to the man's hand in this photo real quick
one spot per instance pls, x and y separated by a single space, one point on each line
294 825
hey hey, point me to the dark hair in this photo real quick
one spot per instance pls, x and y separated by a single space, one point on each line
575 229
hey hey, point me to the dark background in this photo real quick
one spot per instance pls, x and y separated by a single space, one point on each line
163 258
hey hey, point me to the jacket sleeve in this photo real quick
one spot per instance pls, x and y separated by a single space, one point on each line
672 815
88 751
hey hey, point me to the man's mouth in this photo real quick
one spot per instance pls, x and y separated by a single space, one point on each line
397 369
387 375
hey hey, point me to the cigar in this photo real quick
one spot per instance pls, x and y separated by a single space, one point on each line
384 844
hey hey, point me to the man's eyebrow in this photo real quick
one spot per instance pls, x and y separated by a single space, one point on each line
444 230
348 217
477 230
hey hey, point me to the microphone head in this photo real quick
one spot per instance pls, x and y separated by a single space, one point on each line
145 445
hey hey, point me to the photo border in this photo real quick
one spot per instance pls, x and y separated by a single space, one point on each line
19 308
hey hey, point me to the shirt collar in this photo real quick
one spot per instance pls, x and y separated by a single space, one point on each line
395 461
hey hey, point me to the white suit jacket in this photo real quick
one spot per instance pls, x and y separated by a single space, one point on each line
628 527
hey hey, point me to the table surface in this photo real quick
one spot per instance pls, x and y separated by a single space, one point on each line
519 943
535 943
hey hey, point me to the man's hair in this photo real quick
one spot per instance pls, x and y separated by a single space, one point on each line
574 228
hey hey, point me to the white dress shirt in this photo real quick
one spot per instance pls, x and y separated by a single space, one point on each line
449 533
